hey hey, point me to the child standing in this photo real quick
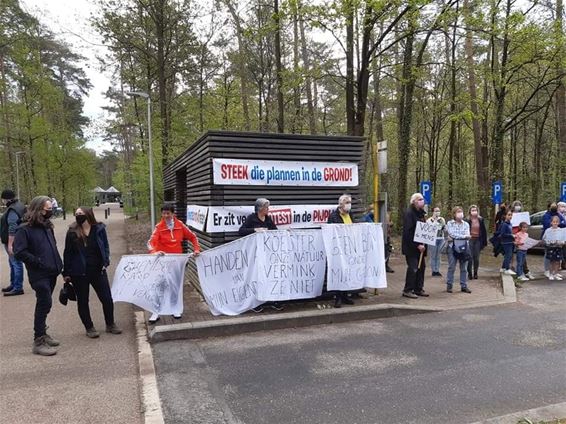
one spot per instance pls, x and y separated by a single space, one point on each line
507 241
553 250
520 238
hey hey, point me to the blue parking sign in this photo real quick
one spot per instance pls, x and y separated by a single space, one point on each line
497 192
426 191
563 191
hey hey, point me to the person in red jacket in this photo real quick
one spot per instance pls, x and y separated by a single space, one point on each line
167 237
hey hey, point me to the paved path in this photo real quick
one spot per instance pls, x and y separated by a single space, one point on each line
89 380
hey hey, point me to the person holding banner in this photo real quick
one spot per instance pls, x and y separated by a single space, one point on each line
553 241
458 249
435 250
35 245
414 252
168 237
562 215
507 239
478 231
85 259
259 220
517 207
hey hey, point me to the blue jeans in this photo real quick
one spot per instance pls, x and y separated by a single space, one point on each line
521 256
434 252
16 272
507 256
452 267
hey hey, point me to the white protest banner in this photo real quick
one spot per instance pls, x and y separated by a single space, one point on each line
196 216
228 276
230 218
152 282
530 243
519 217
291 264
356 256
284 173
425 232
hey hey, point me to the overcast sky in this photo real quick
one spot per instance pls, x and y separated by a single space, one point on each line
69 21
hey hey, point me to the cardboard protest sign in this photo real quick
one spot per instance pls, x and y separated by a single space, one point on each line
425 233
290 264
519 217
355 256
228 276
152 282
284 173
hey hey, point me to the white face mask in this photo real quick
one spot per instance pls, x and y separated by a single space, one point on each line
436 214
517 209
459 215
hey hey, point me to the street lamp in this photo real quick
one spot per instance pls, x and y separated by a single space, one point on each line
151 192
18 173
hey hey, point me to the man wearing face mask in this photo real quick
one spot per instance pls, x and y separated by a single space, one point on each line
414 279
9 222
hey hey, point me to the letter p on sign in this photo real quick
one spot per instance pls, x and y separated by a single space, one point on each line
426 191
563 191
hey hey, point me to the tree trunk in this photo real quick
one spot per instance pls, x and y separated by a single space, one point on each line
279 68
561 91
307 71
350 110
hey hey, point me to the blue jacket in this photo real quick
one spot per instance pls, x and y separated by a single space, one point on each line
506 233
74 255
36 247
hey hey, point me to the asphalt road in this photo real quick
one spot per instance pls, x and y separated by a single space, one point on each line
451 367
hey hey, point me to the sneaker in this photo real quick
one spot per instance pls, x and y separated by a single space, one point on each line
558 277
51 341
258 309
410 295
502 270
530 276
422 293
153 318
547 274
449 289
14 293
465 290
276 306
40 347
7 289
509 272
113 329
551 278
92 333
177 316
523 278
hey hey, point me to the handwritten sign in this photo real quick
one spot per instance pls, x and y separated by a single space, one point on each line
284 173
425 232
228 276
519 217
152 282
355 256
529 243
291 264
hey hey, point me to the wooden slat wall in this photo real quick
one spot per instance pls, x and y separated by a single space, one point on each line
195 167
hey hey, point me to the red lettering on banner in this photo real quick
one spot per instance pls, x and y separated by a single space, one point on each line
337 174
281 216
320 216
235 172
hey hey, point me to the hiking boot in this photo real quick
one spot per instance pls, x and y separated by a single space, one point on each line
114 329
7 289
40 347
14 293
51 341
92 333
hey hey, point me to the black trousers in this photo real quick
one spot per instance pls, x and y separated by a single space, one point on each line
98 279
414 279
43 294
474 262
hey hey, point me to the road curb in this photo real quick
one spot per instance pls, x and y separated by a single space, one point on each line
545 413
231 326
508 285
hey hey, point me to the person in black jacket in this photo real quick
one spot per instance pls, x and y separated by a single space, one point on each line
478 241
257 222
9 223
86 257
414 279
35 246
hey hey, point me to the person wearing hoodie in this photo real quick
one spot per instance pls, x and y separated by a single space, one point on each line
414 278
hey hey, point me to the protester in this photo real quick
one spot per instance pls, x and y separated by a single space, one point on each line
458 249
507 240
517 207
434 251
500 217
562 213
520 239
342 215
478 240
168 237
552 210
414 278
369 217
35 245
259 220
553 248
86 257
9 223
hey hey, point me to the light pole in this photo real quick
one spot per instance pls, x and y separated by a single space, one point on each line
151 192
18 173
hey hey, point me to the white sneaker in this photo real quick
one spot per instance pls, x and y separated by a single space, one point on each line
551 277
177 316
153 318
547 274
558 277
523 278
530 276
509 272
502 270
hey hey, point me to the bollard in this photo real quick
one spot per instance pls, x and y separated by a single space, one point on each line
105 214
137 215
64 214
108 211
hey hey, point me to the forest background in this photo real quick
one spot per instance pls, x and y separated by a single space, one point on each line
464 92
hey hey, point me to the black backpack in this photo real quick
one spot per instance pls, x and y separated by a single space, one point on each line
19 209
